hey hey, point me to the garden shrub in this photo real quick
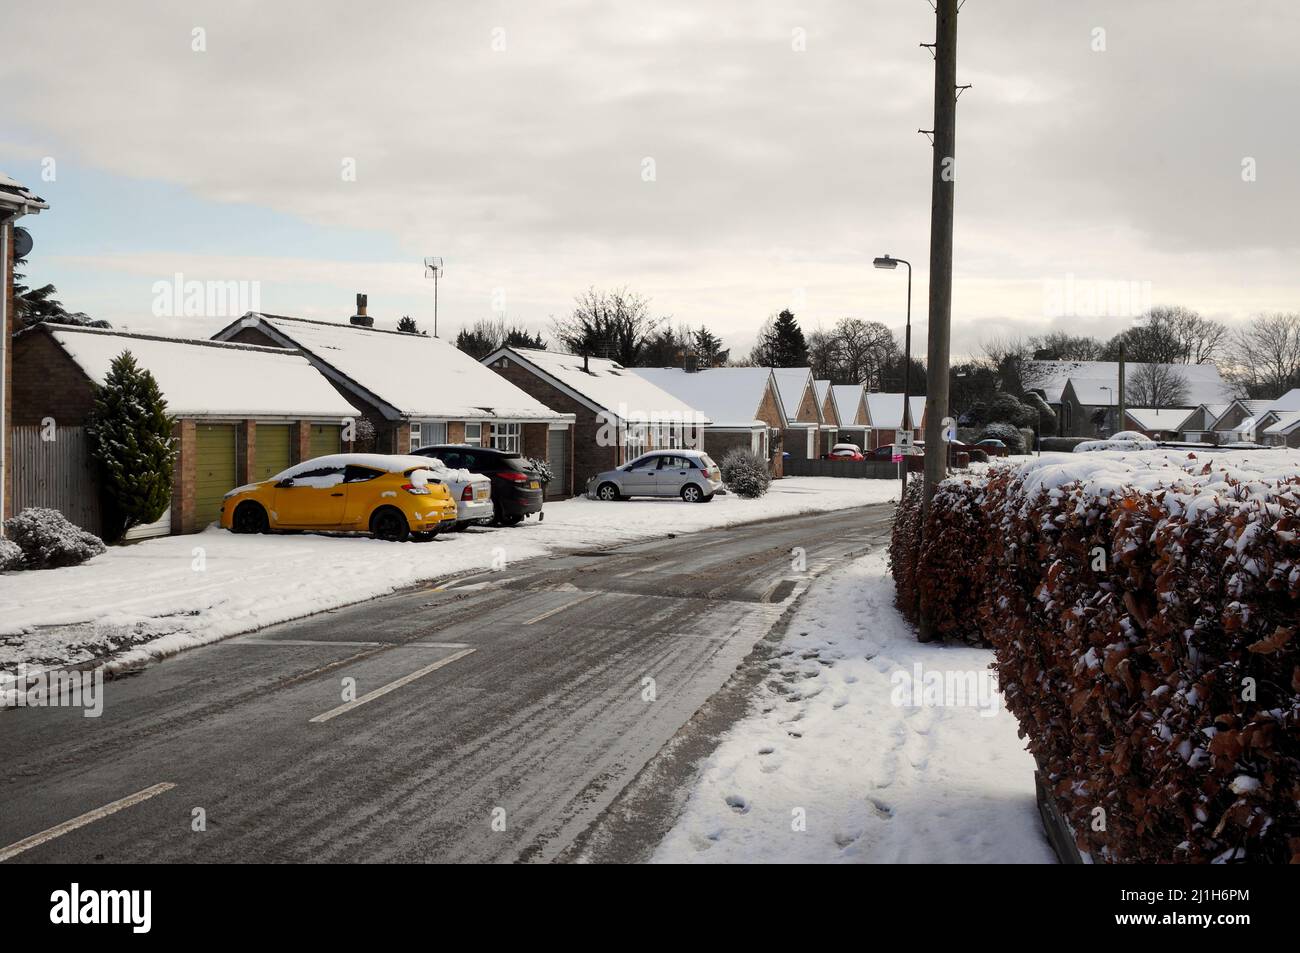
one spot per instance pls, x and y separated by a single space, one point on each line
49 541
745 473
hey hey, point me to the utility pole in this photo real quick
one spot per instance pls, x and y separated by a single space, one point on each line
942 190
1119 424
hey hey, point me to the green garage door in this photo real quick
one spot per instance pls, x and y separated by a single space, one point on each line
214 469
271 451
325 439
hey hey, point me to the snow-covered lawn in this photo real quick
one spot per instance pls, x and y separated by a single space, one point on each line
161 596
828 748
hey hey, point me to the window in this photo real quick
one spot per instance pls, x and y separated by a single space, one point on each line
634 439
673 463
505 437
358 474
474 434
415 434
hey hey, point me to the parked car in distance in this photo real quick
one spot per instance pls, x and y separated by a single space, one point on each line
391 497
690 474
915 462
993 447
845 451
517 489
977 454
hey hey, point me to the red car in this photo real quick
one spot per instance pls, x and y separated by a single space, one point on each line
845 451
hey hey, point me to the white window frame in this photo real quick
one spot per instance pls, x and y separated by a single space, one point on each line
634 440
477 439
415 434
507 437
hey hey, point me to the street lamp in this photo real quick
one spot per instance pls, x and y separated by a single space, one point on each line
889 263
1110 399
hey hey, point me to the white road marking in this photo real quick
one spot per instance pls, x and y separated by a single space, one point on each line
364 645
36 840
568 605
391 686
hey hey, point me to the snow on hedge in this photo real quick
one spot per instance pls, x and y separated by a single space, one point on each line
1142 607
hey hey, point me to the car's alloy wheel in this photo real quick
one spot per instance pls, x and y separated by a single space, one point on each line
390 525
249 518
692 493
607 491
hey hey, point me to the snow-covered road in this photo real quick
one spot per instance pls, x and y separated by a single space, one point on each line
162 596
832 765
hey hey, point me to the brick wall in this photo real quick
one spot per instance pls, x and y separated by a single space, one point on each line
46 383
589 458
7 289
183 478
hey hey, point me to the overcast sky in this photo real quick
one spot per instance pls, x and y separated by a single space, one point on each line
513 139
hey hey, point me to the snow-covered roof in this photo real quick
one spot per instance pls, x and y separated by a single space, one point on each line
1252 409
606 385
885 411
1150 418
822 389
728 396
848 400
791 383
1286 422
1204 384
208 378
414 374
1287 402
14 194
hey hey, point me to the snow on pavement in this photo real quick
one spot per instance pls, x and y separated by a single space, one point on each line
161 596
873 781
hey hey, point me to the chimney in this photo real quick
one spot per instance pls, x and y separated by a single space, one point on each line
691 363
361 319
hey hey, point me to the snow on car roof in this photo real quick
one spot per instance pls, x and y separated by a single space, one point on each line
610 385
418 375
388 462
728 396
209 378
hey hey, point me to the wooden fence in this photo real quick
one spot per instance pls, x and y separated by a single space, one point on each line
55 473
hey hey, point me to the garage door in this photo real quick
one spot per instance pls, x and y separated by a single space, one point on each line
557 455
324 439
214 469
271 451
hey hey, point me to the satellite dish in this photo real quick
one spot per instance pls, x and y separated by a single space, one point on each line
22 242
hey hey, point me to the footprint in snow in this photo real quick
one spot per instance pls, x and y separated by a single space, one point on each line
766 749
839 703
881 808
737 803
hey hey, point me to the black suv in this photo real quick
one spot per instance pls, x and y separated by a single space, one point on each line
517 488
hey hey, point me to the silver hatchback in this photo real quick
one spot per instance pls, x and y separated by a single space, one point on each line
690 474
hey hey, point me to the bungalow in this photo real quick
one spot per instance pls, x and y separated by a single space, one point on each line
1158 424
15 202
1198 427
1243 420
1285 432
884 414
802 435
243 413
417 390
851 406
1085 392
830 428
741 402
618 414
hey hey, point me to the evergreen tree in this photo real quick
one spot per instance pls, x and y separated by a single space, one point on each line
708 348
783 344
34 305
130 435
408 325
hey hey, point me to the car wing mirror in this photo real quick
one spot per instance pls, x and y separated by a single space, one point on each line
285 483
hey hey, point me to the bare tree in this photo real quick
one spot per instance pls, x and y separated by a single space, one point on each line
1155 385
1266 354
1169 335
1013 360
1062 346
613 324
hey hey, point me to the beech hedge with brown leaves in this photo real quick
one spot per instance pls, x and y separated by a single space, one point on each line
1143 610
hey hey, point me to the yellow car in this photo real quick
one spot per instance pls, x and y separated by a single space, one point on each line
391 497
